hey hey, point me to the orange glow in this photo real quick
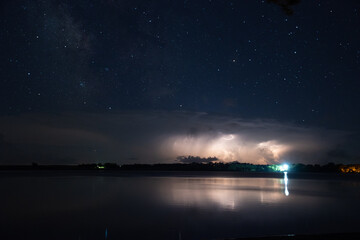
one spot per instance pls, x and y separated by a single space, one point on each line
350 168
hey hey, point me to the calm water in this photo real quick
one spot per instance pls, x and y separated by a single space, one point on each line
165 207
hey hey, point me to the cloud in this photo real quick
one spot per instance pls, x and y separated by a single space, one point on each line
286 5
154 137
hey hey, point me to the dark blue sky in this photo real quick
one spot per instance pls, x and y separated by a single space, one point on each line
245 59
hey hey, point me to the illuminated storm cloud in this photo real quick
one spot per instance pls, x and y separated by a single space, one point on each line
154 137
231 147
261 142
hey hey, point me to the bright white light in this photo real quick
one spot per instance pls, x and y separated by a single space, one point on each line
286 191
284 167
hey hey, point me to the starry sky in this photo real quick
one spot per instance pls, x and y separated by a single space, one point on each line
290 68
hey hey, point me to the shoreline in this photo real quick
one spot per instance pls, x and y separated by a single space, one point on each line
182 174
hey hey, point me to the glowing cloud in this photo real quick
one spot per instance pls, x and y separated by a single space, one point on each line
153 137
228 148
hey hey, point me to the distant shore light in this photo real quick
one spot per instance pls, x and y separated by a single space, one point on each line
284 167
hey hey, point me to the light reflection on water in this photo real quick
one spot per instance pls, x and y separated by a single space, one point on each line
159 207
286 180
226 193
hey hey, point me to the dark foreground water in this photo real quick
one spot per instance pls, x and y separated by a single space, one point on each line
173 206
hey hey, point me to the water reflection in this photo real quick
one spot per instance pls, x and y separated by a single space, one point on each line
286 191
172 208
226 193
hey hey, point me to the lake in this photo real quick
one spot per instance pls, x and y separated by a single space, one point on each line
85 205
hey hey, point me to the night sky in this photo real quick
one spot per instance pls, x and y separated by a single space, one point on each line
147 81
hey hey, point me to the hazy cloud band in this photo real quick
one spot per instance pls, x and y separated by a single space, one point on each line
150 137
